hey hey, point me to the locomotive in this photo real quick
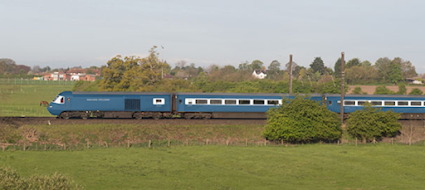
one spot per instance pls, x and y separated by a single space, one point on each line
158 105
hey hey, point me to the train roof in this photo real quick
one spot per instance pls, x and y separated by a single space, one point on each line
243 94
118 93
376 95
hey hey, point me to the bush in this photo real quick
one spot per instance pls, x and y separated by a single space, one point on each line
358 90
10 179
302 120
402 89
383 90
416 91
371 123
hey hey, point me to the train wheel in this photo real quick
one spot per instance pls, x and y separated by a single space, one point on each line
64 115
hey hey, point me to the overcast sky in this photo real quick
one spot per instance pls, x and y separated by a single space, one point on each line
72 33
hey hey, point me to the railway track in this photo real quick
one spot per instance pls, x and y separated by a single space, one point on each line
19 121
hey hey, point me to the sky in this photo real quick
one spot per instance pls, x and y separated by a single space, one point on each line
59 33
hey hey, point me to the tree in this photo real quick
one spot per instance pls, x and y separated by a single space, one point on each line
256 64
407 69
389 70
366 63
244 66
383 67
416 91
273 69
361 75
8 67
371 123
302 120
133 73
181 64
330 87
337 68
36 69
353 62
318 66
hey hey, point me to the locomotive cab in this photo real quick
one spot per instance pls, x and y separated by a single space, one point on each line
57 105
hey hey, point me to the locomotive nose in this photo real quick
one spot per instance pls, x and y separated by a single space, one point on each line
51 109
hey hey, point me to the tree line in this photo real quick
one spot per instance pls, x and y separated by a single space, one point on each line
132 73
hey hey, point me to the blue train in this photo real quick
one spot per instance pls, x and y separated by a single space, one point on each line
209 105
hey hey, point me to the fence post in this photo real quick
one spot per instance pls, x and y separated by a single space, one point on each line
149 143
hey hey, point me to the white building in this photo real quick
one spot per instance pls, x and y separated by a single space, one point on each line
260 74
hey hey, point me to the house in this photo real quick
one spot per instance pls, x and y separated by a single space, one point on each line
413 81
48 76
168 76
57 76
260 74
89 77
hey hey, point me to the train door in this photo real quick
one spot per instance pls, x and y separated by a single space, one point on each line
67 102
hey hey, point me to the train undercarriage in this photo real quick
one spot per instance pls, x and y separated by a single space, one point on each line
160 115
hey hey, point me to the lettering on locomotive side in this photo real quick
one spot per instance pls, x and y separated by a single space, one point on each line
100 100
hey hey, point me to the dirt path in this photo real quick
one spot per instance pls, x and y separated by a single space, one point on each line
370 89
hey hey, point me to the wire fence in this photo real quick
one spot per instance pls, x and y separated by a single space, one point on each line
30 81
62 146
22 97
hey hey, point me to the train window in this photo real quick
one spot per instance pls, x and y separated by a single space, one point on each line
361 103
230 102
403 103
59 100
190 101
338 102
158 101
349 103
416 103
272 102
259 102
180 101
215 102
244 102
376 103
389 103
201 101
330 103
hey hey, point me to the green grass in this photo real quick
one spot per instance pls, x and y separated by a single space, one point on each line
221 167
22 97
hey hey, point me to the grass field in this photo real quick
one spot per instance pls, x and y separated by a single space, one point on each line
22 97
220 167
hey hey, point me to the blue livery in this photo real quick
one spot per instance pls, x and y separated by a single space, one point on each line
110 101
210 105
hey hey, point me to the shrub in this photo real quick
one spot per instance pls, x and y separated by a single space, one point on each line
10 179
416 91
402 89
302 120
358 90
371 123
383 90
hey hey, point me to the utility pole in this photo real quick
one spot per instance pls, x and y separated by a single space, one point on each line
162 64
290 74
342 87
